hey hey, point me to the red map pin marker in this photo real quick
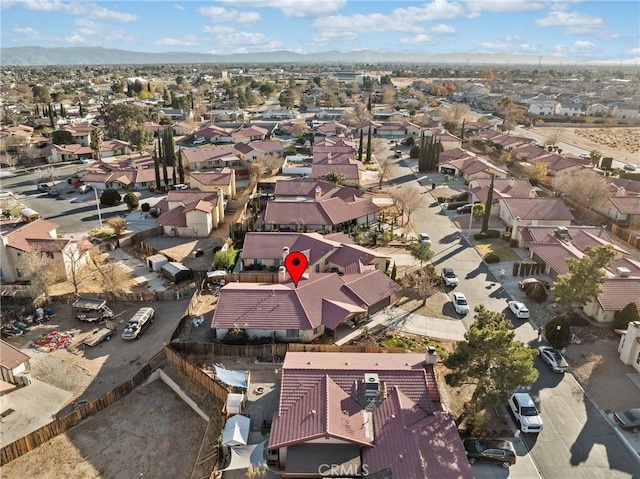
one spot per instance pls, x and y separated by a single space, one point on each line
296 263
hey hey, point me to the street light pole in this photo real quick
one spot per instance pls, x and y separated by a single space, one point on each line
470 221
95 192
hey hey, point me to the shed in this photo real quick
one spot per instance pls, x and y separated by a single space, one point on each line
156 262
13 363
235 403
236 431
176 272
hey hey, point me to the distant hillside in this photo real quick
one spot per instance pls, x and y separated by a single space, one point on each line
26 56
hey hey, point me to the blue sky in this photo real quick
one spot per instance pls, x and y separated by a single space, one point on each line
578 30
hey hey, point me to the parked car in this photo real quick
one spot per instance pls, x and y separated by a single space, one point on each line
53 192
496 451
519 309
526 413
556 362
628 420
584 155
85 188
138 324
180 186
449 277
199 141
460 304
5 194
86 161
630 167
525 283
424 238
464 209
43 187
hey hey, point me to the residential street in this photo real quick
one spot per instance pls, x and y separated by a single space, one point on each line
577 441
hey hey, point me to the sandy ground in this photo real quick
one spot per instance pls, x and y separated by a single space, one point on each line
622 144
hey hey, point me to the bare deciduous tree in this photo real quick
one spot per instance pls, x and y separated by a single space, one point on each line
76 263
298 128
586 188
408 199
42 270
385 170
456 113
113 276
421 282
118 224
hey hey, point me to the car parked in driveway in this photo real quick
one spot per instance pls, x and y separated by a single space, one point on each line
199 141
527 282
519 309
628 420
464 209
424 238
556 362
526 413
496 451
449 277
460 304
630 167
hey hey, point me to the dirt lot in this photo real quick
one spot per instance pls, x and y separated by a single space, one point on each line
622 144
135 437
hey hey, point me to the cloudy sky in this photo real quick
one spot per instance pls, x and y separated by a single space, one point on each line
579 30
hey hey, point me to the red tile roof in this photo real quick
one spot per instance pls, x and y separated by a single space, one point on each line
20 238
332 211
307 188
555 255
538 208
502 188
269 245
626 205
221 176
618 292
371 287
200 155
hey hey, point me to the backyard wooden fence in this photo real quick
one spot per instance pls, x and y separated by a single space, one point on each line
628 236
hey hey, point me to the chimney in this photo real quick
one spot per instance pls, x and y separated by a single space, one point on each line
371 385
532 193
285 253
512 181
318 194
282 274
621 191
622 272
431 356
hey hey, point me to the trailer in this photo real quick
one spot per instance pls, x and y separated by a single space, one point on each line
91 310
98 335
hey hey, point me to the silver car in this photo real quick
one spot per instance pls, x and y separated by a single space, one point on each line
460 304
556 362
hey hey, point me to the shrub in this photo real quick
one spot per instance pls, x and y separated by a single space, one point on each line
558 337
506 236
487 234
414 152
629 313
537 292
110 197
131 199
145 207
492 258
236 336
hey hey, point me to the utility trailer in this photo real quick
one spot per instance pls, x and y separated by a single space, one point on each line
91 310
104 333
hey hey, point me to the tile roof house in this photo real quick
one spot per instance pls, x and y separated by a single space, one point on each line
336 158
13 363
330 214
305 190
268 250
191 213
449 141
214 134
579 236
256 150
132 174
81 133
519 212
330 129
320 302
249 133
364 414
209 158
75 151
181 128
210 181
502 188
624 208
471 167
39 235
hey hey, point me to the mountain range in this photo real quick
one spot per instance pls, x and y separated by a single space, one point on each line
40 56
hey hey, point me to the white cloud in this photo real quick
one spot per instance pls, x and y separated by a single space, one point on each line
584 47
509 44
294 8
498 6
179 7
25 31
187 40
420 39
443 29
72 8
218 29
222 15
573 22
635 51
77 39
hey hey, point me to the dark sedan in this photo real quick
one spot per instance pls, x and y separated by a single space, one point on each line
629 420
490 450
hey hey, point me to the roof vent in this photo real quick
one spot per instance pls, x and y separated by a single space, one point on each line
623 272
562 232
371 385
313 411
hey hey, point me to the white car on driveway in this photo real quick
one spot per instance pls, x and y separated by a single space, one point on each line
519 309
526 413
460 304
449 277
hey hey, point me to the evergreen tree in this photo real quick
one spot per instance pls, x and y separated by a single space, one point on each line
149 87
180 166
52 121
156 167
369 103
81 112
462 129
361 146
368 158
37 112
61 110
487 207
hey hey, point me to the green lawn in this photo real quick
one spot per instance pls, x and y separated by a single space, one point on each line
498 246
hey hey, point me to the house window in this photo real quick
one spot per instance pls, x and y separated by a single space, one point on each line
638 358
293 333
49 254
19 273
317 330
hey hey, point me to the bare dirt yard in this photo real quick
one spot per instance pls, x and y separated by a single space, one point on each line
622 144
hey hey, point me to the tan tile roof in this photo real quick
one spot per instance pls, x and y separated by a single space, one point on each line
11 357
37 230
538 208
